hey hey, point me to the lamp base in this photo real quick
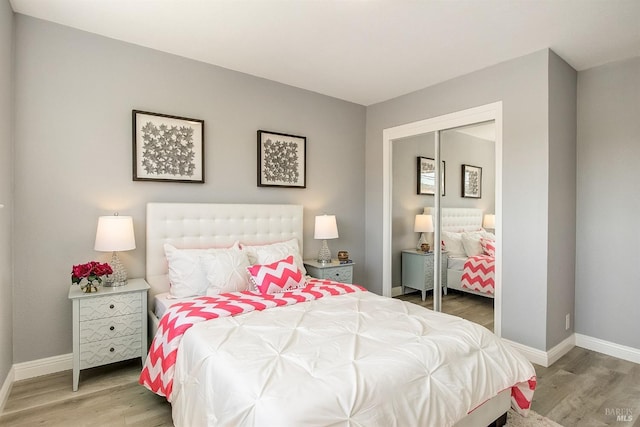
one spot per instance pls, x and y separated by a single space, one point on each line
324 255
422 241
119 275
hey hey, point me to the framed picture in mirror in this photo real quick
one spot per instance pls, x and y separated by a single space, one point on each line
426 173
471 181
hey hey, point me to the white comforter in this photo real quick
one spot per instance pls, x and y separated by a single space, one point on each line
353 360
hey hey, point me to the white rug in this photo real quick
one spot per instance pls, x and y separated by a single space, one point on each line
533 420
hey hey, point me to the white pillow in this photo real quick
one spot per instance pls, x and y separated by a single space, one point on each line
453 244
471 243
187 278
488 235
268 254
226 271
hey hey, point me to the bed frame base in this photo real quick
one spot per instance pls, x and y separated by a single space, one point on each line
500 422
490 413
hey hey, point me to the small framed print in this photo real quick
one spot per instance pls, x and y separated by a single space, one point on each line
426 172
282 160
471 181
167 148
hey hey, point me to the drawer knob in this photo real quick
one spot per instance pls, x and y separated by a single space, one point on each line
111 306
112 349
111 328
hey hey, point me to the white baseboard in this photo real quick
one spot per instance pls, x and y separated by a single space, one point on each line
534 355
606 347
6 389
559 350
544 358
396 291
547 358
49 365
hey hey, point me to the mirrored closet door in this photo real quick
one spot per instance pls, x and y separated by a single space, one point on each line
455 224
467 222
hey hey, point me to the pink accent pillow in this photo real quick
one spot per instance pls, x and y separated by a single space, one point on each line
488 246
280 276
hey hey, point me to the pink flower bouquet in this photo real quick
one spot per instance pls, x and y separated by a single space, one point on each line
92 272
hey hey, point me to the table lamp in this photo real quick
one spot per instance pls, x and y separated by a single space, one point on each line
423 224
489 222
326 228
115 233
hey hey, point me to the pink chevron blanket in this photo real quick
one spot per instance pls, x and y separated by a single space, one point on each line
157 372
479 274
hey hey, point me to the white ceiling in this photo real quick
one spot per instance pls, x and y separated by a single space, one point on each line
364 51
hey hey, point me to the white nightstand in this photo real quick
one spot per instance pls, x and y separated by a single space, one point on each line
109 325
417 271
330 271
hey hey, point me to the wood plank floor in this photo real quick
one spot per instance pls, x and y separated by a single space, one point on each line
107 396
583 388
475 308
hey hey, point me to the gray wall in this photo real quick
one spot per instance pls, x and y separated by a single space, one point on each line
406 203
523 86
562 200
608 202
6 194
456 148
74 96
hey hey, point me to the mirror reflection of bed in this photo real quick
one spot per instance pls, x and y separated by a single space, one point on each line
469 277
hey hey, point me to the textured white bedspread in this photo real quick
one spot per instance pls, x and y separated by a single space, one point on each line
354 360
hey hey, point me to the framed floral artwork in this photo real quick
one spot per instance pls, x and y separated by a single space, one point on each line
426 172
282 160
471 181
167 148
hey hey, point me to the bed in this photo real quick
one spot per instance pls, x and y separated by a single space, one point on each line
324 353
470 251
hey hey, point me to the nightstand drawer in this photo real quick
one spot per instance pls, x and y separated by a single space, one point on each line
109 351
110 327
110 305
339 274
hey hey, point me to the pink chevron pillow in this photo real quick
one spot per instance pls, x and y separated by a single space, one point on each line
280 276
488 246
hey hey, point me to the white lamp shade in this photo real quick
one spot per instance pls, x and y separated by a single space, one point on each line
489 221
326 227
423 224
115 233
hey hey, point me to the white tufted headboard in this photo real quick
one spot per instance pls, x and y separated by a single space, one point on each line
459 219
207 225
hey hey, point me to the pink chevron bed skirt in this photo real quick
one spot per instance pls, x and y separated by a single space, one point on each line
479 274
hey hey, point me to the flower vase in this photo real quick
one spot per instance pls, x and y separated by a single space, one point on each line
90 287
